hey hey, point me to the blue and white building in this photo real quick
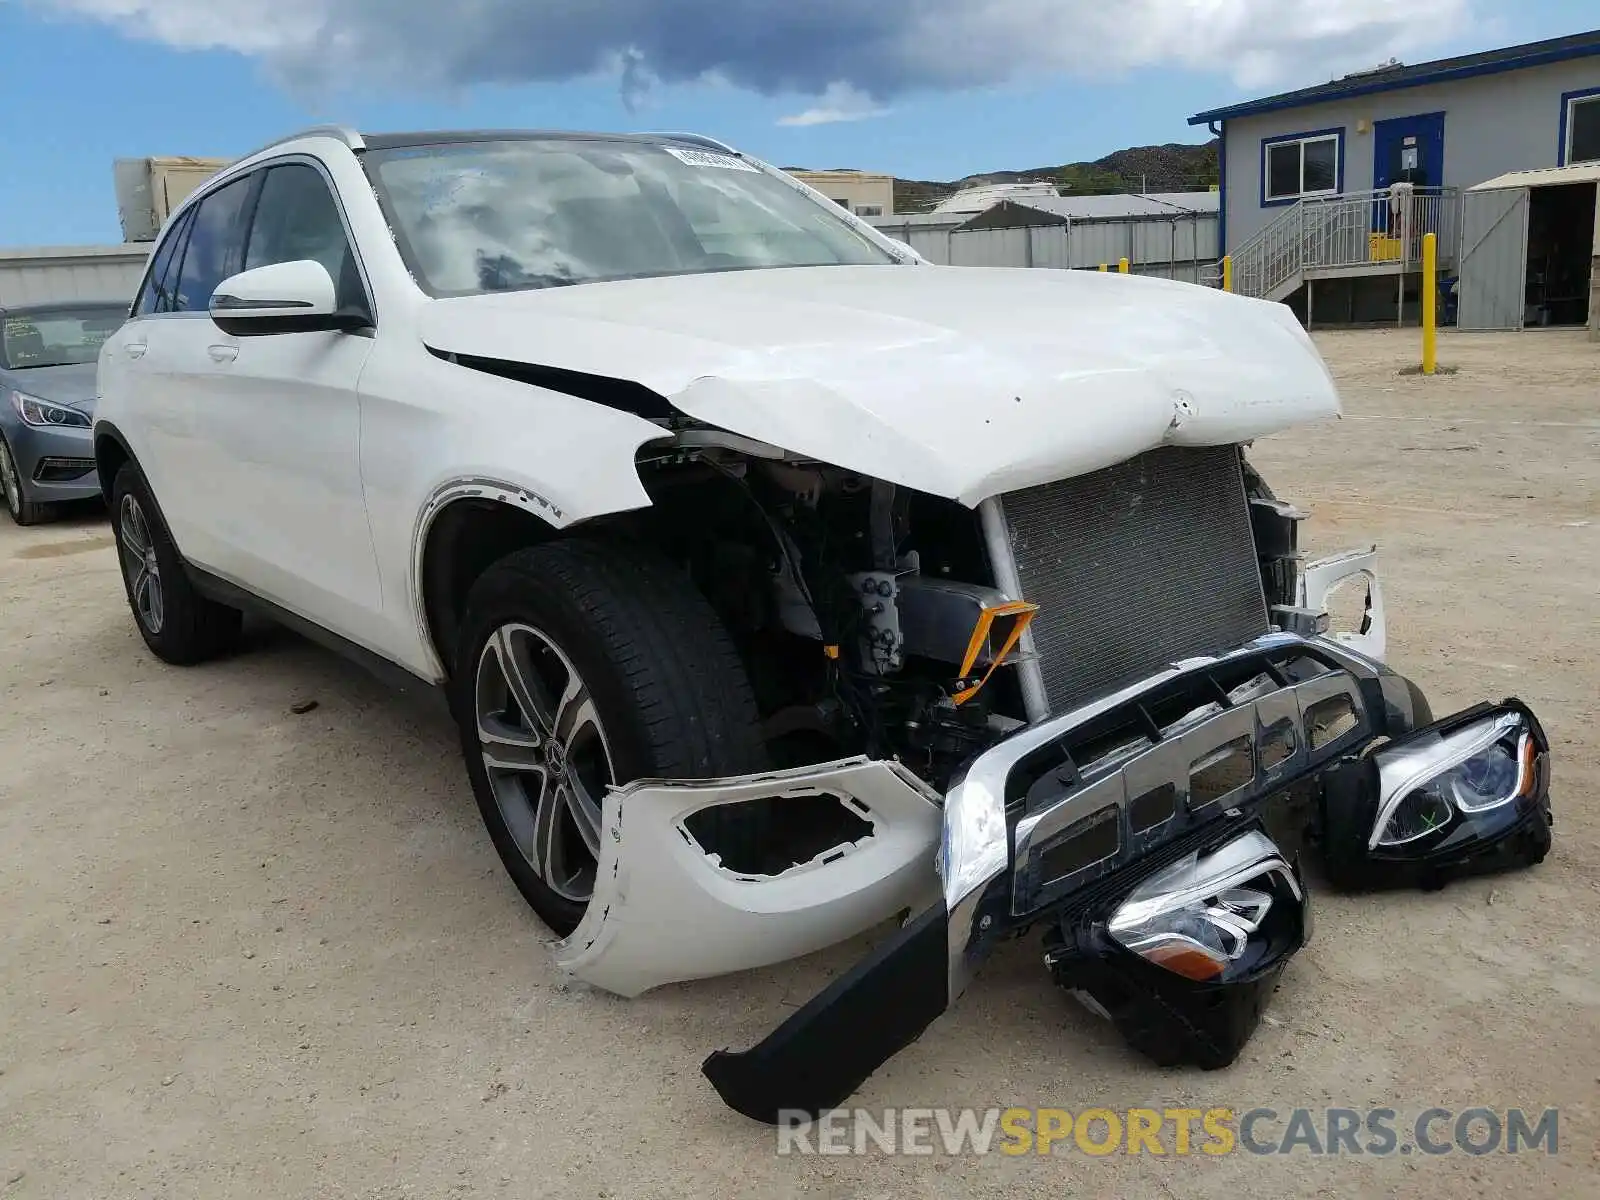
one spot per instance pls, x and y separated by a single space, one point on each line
1497 153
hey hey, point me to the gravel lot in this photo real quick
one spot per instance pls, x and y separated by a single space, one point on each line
251 953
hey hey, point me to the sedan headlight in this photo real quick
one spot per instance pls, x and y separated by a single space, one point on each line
1468 793
45 414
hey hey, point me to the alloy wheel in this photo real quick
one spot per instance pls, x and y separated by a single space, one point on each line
139 565
546 755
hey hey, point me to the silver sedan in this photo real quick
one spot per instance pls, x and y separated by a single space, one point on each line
47 393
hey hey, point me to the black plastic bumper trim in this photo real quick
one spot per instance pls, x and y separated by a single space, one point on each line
816 1059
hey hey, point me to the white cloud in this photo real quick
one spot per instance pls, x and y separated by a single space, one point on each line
852 54
838 102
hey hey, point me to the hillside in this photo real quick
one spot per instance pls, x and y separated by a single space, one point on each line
1174 167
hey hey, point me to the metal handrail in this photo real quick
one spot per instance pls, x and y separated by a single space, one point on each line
1353 229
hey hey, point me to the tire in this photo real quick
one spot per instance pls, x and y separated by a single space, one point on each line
667 697
23 511
181 626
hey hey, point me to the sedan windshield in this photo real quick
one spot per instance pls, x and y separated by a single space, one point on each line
492 216
56 337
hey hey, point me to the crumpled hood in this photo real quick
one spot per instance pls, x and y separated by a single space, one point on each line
72 385
961 382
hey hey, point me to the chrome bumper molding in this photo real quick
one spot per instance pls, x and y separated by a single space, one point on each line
976 851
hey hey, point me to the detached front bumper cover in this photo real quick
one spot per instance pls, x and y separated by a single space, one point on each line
1196 775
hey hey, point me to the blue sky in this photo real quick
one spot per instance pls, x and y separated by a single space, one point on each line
87 81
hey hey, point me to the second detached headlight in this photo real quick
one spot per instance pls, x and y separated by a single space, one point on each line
1467 794
1185 963
46 414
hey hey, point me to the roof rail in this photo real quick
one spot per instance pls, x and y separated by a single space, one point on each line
694 139
341 133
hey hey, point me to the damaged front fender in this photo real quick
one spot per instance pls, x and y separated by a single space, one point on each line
665 909
1321 579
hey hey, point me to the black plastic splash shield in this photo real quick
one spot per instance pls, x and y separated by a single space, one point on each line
816 1059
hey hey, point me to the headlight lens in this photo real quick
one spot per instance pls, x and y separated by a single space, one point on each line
1473 769
1465 795
1185 963
45 415
1197 917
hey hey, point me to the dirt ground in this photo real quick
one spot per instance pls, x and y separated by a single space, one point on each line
250 953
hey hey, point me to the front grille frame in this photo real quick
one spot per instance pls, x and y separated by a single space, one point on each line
1136 566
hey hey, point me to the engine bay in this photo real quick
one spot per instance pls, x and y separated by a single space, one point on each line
872 618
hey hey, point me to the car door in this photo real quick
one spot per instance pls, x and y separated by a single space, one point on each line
179 370
135 381
279 418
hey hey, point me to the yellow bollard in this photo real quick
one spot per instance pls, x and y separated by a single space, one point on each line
1227 272
1102 266
1430 302
1122 265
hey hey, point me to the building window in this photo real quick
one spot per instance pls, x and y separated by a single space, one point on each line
1301 164
842 202
1580 123
869 210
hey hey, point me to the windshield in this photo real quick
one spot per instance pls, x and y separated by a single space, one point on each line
56 337
493 216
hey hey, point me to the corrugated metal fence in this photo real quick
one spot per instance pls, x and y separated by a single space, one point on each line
60 273
1183 246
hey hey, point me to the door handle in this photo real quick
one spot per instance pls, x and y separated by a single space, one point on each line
223 354
135 349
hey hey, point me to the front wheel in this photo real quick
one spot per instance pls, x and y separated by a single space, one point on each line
23 511
582 665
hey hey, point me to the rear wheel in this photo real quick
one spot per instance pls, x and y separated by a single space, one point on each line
582 665
23 511
176 621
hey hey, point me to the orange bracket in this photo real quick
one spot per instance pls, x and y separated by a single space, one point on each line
1024 613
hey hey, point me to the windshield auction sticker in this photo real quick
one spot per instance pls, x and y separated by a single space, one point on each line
706 158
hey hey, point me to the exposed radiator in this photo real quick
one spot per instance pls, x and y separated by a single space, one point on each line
1136 566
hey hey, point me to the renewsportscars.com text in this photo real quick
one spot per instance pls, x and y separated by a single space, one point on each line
1210 1132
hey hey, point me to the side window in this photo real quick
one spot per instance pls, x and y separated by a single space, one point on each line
162 275
215 248
297 218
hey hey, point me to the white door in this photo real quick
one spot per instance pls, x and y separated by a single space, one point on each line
133 396
148 368
280 417
174 366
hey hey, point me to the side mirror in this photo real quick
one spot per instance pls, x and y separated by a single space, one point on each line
291 297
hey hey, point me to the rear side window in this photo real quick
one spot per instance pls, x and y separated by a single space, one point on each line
162 277
215 247
296 218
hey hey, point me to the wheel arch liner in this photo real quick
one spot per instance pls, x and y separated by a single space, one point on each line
106 431
665 911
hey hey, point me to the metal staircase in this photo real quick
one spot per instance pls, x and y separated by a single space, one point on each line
1358 233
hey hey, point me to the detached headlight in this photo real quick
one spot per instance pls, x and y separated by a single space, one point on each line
1185 963
1471 770
44 414
1467 794
1196 918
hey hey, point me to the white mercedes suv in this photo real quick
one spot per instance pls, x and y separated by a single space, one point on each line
781 583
